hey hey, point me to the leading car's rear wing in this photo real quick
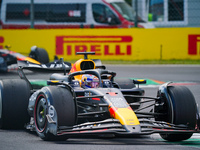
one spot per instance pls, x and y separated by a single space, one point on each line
56 66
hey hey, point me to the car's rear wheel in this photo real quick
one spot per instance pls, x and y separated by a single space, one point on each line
60 99
14 98
181 110
40 55
125 83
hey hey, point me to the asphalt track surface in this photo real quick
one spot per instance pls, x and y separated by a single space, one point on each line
187 75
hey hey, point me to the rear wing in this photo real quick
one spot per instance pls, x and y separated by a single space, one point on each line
54 67
57 66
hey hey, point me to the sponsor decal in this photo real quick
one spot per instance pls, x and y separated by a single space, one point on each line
74 13
194 44
112 93
113 111
1 42
101 45
26 12
118 102
51 111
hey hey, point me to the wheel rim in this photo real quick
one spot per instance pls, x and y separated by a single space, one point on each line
40 114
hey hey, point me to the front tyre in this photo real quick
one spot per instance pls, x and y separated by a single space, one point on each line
55 98
181 109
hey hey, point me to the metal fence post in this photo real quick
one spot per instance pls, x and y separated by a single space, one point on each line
32 14
136 13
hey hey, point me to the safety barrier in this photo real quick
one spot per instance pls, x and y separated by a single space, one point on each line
109 44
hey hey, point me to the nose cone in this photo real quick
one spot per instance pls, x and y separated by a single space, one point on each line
126 116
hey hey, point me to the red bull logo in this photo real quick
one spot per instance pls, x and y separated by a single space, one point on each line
101 45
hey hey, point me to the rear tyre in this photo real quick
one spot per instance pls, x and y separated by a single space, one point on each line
14 98
40 55
183 111
62 100
125 83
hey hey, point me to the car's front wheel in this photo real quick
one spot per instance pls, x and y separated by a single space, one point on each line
58 103
181 109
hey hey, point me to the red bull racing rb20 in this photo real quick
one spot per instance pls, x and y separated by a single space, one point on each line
87 100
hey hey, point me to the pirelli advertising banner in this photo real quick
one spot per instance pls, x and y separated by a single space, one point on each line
109 44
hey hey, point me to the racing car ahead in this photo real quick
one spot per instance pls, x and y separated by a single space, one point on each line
89 100
8 58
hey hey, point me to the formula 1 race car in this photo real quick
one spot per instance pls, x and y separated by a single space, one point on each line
8 58
88 100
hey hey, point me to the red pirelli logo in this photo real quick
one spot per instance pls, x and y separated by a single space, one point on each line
98 44
1 42
194 44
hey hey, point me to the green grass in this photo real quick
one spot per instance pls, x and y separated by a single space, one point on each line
195 62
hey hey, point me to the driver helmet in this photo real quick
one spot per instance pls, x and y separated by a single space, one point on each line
90 81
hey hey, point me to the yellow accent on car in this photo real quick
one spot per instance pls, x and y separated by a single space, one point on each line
32 60
77 67
54 81
140 80
126 116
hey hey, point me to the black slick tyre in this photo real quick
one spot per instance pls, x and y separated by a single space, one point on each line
62 100
183 111
125 83
40 55
14 98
